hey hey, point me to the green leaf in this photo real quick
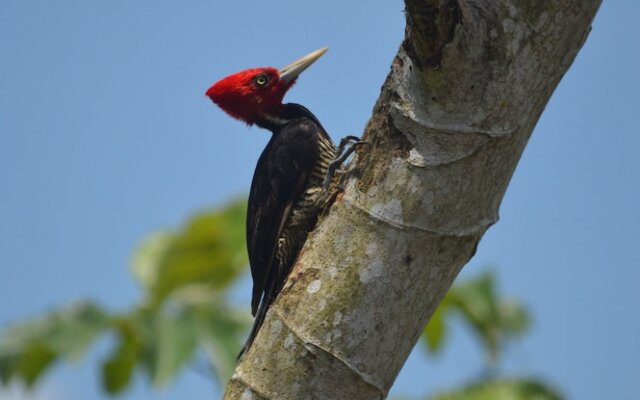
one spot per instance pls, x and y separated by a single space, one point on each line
118 368
148 257
175 344
435 331
514 317
33 361
219 332
7 367
67 331
208 252
476 300
77 329
506 389
491 318
28 348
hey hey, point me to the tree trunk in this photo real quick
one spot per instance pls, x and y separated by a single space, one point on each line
465 90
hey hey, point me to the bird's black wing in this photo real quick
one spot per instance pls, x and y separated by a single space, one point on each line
279 181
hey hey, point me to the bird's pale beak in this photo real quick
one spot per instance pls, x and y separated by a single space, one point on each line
291 71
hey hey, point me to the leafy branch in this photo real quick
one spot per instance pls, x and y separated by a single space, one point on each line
185 317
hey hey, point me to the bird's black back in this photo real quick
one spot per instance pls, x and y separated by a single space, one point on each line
285 170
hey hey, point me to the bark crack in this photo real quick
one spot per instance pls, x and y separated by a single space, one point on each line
406 226
400 119
248 386
315 347
387 221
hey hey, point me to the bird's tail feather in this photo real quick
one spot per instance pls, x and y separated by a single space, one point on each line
257 323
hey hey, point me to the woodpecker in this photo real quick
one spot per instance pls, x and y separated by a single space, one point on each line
293 177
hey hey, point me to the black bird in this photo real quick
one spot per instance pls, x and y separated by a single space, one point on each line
293 178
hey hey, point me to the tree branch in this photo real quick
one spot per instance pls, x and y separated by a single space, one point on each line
465 90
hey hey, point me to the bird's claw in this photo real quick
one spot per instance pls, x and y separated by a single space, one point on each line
347 146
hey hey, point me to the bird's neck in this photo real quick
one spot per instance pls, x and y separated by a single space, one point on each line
276 118
273 120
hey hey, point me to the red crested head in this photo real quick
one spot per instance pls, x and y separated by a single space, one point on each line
250 94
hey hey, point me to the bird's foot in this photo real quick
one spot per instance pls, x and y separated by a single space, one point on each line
347 146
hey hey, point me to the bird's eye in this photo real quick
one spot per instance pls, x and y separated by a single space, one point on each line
261 80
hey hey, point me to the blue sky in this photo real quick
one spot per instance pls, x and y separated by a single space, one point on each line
105 136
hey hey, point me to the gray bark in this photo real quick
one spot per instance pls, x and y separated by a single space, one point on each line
465 90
